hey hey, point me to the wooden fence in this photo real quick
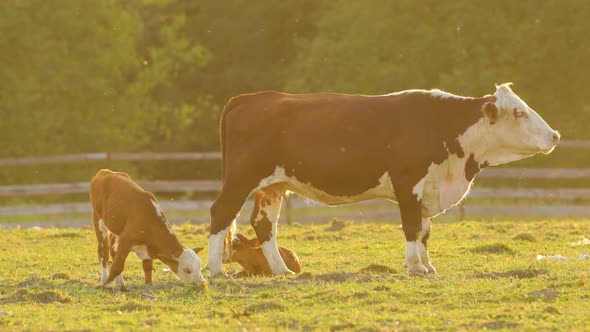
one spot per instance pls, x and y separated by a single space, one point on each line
562 194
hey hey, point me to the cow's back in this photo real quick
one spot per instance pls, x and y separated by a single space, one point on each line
116 198
343 144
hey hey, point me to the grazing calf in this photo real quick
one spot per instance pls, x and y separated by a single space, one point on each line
127 218
419 148
249 255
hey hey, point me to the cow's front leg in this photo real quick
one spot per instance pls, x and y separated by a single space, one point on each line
148 267
123 249
410 206
423 248
224 212
264 220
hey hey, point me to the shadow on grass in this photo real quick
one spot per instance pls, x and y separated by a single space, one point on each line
44 297
518 274
496 248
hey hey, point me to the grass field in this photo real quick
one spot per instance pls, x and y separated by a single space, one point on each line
353 279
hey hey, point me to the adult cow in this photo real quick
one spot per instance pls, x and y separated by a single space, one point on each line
419 148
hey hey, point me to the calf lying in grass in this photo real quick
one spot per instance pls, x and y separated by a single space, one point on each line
248 254
127 218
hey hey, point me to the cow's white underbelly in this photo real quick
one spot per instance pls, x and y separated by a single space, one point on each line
140 250
444 186
384 189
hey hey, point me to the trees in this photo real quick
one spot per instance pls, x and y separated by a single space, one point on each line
153 75
461 46
64 78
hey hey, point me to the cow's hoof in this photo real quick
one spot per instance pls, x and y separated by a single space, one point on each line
218 275
106 289
417 270
431 270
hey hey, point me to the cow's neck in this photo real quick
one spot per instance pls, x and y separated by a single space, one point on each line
165 244
478 141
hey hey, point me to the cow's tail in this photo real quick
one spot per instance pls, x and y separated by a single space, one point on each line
231 104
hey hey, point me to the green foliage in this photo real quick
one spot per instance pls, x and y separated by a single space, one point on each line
153 75
353 279
64 74
460 46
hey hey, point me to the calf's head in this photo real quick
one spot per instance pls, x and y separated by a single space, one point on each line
187 266
238 243
516 131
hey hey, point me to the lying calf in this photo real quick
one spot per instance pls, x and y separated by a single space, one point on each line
248 254
127 218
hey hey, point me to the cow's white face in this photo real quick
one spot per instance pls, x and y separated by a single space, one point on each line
516 130
189 267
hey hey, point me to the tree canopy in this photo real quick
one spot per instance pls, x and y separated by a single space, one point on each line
153 75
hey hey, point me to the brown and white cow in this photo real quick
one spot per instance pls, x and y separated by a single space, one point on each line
127 218
419 148
249 255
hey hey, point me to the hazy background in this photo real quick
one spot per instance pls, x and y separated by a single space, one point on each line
83 76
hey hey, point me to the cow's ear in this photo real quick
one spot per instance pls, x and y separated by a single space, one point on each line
490 111
196 250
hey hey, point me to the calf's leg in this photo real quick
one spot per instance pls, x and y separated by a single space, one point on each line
113 247
103 246
122 251
148 267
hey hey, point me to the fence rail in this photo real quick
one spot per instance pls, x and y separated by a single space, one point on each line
535 173
107 157
214 185
563 194
113 156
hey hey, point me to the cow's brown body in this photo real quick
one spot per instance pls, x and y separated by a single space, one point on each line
418 148
127 218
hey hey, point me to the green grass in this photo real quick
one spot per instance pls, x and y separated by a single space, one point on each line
353 279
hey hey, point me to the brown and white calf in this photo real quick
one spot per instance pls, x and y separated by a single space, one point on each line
419 148
249 255
127 218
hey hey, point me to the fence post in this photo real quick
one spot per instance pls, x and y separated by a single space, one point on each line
109 160
461 211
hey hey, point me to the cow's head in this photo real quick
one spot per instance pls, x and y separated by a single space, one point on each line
515 130
187 267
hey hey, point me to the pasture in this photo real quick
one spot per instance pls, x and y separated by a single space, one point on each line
353 279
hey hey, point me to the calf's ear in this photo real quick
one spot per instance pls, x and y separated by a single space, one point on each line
235 243
490 111
196 250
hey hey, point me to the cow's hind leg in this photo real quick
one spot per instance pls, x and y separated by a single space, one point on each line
103 244
264 220
423 248
224 212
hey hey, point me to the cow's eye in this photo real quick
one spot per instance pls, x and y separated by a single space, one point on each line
187 270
